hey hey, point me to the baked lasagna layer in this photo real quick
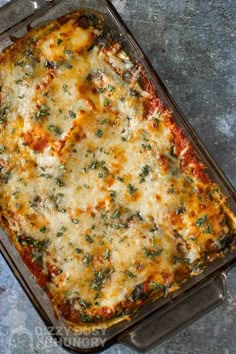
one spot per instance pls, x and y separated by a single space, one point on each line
102 194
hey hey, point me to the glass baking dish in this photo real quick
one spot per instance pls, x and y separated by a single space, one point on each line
157 321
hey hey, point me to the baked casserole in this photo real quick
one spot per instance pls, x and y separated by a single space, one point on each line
103 196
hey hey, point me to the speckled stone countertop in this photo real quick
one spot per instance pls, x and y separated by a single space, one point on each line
192 45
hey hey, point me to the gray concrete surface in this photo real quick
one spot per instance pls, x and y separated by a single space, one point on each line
192 45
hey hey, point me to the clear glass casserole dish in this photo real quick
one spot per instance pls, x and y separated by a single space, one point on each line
147 328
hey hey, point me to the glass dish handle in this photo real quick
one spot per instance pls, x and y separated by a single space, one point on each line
15 12
181 312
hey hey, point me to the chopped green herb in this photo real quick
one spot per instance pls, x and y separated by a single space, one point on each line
65 89
201 221
107 254
118 226
72 114
180 210
2 148
55 129
110 88
69 66
151 253
189 179
43 111
99 133
17 82
75 221
130 274
43 229
59 41
86 260
86 186
78 250
28 53
113 195
208 229
93 165
120 179
89 239
131 189
171 190
145 170
100 89
106 102
156 286
68 51
147 146
116 214
62 210
60 183
20 63
155 120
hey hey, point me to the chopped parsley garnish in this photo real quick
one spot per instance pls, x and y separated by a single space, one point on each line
86 260
17 82
99 133
93 165
2 148
131 189
89 239
61 232
110 88
156 286
55 129
116 214
155 120
68 51
78 250
43 111
75 221
145 170
189 179
106 102
118 226
43 229
65 89
201 221
72 114
208 229
107 254
151 253
60 183
59 41
100 89
130 274
113 195
147 147
20 63
120 179
180 210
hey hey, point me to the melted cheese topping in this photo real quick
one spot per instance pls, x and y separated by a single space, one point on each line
91 183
